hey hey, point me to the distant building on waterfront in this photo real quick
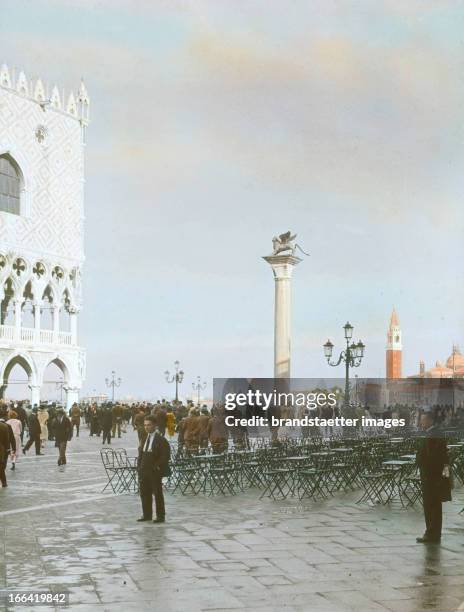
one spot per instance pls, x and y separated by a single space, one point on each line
452 368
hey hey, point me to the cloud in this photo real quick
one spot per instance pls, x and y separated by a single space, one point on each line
216 125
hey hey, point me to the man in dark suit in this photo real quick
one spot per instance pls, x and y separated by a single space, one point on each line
153 464
106 422
34 432
432 457
63 434
7 444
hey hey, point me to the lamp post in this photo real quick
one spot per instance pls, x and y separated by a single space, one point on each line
59 386
177 377
352 356
114 382
199 386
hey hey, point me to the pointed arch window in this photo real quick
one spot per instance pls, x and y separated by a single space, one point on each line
10 185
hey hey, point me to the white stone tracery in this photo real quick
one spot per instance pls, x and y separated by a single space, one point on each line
41 249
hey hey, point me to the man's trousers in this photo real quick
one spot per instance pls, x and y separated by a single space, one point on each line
34 440
62 450
432 509
3 462
151 484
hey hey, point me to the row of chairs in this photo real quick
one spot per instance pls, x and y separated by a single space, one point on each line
121 471
306 469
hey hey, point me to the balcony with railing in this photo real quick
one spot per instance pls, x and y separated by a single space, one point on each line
10 334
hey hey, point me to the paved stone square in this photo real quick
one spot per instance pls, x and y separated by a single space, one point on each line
59 531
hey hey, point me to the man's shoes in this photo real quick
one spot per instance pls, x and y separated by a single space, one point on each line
159 520
40 454
143 519
13 466
59 461
427 540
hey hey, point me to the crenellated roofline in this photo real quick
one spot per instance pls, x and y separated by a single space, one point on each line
75 104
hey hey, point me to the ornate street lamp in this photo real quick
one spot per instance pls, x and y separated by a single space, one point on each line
199 386
352 356
59 387
177 377
113 382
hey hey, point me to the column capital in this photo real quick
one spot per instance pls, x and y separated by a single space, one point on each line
282 265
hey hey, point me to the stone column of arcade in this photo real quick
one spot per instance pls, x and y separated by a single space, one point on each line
18 304
72 397
35 395
282 267
73 324
56 322
37 313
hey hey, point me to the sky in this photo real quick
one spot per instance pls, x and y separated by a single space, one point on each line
216 125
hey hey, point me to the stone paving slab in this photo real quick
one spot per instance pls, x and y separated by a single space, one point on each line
58 531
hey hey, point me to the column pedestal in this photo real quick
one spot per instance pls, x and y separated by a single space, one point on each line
72 396
282 267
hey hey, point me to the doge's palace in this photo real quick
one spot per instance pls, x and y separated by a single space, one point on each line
42 140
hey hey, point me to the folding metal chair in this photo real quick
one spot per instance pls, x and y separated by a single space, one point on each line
127 467
112 472
252 475
309 483
277 483
378 487
222 480
189 479
410 491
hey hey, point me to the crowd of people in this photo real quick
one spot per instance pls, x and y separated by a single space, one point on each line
198 429
23 428
40 424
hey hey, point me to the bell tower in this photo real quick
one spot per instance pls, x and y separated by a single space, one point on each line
394 348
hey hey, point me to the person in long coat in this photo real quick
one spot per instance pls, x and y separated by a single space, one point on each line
203 420
218 433
138 422
7 444
191 431
94 420
75 414
106 423
152 465
43 417
34 432
63 434
170 422
432 457
22 416
17 428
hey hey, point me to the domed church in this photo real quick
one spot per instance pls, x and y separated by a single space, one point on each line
453 368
